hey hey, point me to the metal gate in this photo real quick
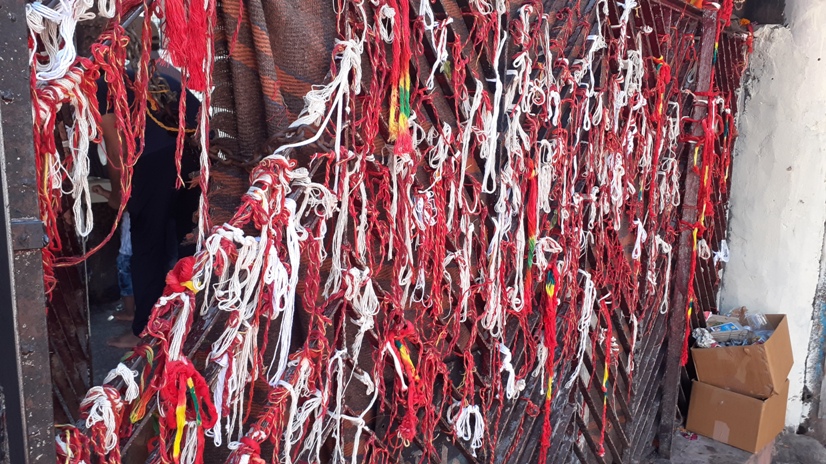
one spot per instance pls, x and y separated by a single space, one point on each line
636 411
622 405
633 413
69 351
729 67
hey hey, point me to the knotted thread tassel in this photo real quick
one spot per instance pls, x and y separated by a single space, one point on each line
549 321
400 79
609 335
531 213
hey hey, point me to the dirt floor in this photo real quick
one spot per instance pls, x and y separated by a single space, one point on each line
788 448
104 326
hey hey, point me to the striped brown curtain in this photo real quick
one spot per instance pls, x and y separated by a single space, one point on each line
268 55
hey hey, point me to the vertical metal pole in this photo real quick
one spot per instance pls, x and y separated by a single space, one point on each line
24 370
679 301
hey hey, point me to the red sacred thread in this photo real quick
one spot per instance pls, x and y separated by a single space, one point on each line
400 79
203 115
111 61
609 335
550 332
98 431
249 448
76 447
238 24
130 121
184 393
531 218
663 79
436 200
181 139
726 9
188 30
47 100
179 278
185 30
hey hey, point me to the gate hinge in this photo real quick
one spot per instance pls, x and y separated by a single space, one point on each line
28 234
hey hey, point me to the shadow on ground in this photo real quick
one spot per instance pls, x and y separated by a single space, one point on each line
788 448
103 327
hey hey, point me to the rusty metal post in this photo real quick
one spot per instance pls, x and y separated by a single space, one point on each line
679 301
24 370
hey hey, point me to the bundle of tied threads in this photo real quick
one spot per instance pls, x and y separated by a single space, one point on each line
61 80
440 256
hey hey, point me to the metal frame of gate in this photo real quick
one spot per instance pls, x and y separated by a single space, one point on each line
642 406
24 371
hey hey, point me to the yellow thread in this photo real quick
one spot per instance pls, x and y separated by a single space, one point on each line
406 358
550 387
180 419
394 124
165 127
46 168
703 213
69 454
605 381
406 84
402 126
180 414
139 411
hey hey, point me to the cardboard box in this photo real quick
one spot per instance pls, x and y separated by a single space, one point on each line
758 371
737 420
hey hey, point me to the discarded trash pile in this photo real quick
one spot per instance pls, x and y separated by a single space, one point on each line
739 328
424 233
742 362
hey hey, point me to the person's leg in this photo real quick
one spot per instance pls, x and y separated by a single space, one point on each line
127 294
149 264
186 202
148 281
149 270
171 244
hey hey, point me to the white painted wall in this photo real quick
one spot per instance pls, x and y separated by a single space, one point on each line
778 194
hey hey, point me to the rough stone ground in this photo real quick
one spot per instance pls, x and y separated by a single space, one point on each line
788 448
792 448
104 357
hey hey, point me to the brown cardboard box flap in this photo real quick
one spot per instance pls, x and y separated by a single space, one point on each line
779 349
755 370
738 420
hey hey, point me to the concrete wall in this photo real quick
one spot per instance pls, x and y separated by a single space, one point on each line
778 197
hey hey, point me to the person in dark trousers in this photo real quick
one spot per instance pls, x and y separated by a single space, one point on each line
124 264
161 215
